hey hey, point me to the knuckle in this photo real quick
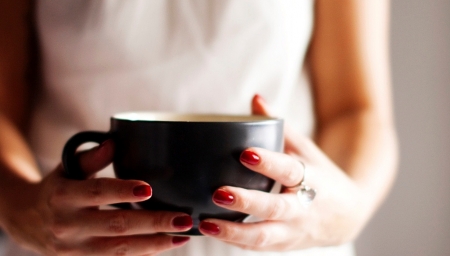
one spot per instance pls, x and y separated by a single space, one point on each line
61 250
119 223
57 230
160 222
53 201
60 229
248 248
59 193
121 248
51 248
160 243
95 191
122 192
61 189
262 239
231 233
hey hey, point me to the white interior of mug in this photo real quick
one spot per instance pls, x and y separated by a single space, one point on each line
177 117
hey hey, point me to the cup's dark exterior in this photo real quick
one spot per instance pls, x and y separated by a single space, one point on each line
185 162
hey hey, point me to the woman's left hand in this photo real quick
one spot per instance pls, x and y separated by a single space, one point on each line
335 216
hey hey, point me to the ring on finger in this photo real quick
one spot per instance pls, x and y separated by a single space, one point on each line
305 194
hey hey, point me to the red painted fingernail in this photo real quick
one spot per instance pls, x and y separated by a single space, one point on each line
209 228
223 197
182 222
178 240
249 157
142 191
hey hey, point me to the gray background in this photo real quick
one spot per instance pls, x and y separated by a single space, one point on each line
415 220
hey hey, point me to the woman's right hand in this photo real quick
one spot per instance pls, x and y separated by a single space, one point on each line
60 216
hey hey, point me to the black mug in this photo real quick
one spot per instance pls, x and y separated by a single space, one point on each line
184 157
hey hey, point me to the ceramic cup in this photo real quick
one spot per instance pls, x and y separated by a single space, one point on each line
184 157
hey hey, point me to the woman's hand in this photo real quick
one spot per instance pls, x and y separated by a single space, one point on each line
60 216
334 217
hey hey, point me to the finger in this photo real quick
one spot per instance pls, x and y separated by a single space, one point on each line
96 192
293 143
126 222
133 245
260 107
97 158
278 166
260 204
252 235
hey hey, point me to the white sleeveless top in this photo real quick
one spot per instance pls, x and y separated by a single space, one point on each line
107 56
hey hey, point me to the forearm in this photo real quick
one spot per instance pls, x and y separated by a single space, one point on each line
16 157
18 170
350 70
365 147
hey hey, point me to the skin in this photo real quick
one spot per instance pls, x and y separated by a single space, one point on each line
351 161
62 216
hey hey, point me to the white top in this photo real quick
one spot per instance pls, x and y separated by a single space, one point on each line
200 56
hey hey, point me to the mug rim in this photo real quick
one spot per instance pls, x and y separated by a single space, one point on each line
175 117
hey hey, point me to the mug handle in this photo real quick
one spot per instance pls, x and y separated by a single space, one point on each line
69 158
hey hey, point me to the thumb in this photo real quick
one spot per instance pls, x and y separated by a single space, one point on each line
97 158
260 107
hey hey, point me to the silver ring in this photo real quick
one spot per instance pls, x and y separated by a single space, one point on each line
305 193
298 185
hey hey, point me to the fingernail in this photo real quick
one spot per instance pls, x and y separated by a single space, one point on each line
223 197
182 222
178 240
142 191
209 228
249 157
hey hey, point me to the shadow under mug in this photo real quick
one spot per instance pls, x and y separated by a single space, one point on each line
184 157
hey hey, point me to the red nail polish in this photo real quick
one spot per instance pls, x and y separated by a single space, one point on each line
182 222
249 157
142 191
223 197
178 240
209 228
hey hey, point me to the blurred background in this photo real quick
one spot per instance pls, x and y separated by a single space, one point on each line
415 220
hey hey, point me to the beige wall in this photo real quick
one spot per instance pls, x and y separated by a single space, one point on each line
415 220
